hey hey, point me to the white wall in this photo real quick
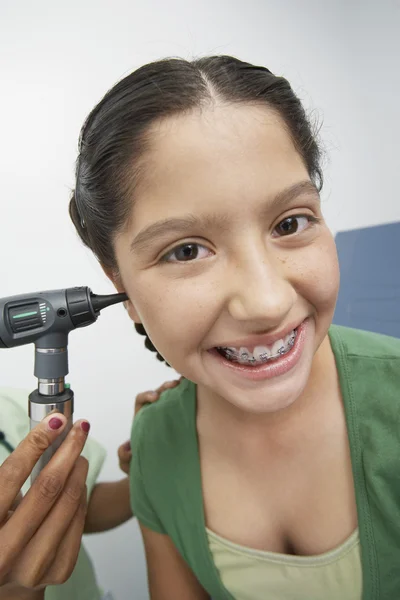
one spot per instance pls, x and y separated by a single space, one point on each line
56 61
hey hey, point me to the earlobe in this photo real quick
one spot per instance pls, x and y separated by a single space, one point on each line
116 280
132 312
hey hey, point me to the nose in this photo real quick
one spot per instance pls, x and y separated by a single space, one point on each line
260 291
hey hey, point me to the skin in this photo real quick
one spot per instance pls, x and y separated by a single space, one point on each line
55 504
222 295
235 173
40 538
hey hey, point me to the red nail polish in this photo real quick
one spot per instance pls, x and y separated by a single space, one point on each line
55 423
85 426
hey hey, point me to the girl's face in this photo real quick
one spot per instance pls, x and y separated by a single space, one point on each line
227 260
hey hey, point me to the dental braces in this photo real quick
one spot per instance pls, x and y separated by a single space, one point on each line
232 354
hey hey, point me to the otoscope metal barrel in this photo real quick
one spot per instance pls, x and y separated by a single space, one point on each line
40 406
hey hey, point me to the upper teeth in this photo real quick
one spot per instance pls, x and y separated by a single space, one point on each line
261 353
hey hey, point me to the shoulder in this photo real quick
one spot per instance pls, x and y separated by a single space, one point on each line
364 344
163 450
164 440
165 421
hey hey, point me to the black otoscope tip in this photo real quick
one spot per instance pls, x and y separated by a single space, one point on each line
100 302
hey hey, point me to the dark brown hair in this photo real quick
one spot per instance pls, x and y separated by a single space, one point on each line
114 138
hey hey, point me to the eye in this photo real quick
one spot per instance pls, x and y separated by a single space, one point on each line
186 253
294 224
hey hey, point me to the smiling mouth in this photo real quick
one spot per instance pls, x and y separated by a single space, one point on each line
260 354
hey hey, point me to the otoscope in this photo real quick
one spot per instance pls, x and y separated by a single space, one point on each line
45 319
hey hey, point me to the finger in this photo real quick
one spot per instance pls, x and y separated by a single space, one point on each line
167 386
125 451
43 494
125 456
151 396
125 466
8 516
17 501
145 397
16 469
39 554
68 550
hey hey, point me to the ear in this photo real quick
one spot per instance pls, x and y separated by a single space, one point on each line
117 282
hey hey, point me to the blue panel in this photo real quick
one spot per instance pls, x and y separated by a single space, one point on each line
369 296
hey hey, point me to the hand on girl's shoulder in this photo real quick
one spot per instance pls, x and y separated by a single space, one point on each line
151 396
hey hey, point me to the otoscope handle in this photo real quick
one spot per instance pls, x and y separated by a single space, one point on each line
39 407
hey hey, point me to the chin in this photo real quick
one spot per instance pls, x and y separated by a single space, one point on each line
266 399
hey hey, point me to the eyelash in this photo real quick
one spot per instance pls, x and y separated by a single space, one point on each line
311 219
167 256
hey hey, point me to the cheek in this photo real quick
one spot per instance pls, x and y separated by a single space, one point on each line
174 312
324 276
315 274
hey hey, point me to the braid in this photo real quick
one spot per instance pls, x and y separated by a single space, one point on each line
148 343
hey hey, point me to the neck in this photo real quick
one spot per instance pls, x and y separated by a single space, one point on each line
216 414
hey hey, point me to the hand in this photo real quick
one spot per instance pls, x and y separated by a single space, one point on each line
40 539
152 396
124 451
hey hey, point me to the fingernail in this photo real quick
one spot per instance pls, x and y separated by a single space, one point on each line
55 423
127 446
85 426
153 394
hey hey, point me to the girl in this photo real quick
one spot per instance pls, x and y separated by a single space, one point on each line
272 470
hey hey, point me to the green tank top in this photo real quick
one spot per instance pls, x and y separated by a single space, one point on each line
165 468
14 423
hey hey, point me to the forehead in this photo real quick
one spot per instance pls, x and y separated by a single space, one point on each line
215 159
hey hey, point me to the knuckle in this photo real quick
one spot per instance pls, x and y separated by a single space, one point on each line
10 473
49 486
73 491
38 439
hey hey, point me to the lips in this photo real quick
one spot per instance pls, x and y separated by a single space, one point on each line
268 340
261 353
270 368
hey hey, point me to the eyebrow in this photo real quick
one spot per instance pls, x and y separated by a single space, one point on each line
182 225
287 195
